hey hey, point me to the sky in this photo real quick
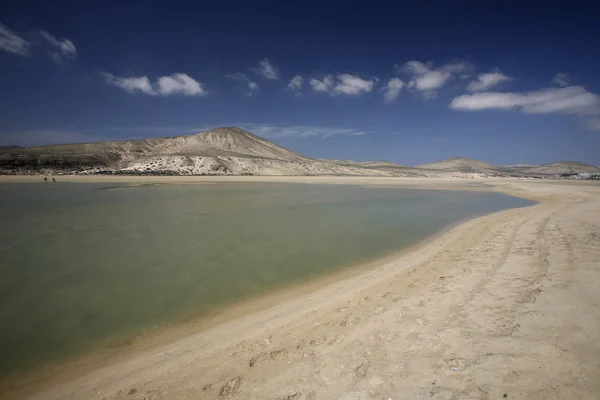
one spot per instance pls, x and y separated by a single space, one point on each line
411 82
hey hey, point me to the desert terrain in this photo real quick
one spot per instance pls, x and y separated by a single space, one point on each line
501 306
233 151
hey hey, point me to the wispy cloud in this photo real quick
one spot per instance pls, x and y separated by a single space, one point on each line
267 131
267 70
562 79
392 89
164 86
299 131
427 79
322 85
251 87
593 124
574 100
60 49
132 84
487 81
296 83
345 84
353 85
12 42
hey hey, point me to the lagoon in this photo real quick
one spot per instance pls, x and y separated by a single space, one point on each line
85 265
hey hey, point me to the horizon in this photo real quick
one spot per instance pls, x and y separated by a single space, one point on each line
406 83
373 160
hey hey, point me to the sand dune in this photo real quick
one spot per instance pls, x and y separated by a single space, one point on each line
502 306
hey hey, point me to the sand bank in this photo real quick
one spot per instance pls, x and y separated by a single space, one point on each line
505 304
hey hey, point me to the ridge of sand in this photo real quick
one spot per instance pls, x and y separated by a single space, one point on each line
501 306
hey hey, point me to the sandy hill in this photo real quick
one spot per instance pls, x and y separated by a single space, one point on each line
561 168
460 164
219 151
218 142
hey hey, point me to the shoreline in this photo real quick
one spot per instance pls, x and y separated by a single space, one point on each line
299 299
112 352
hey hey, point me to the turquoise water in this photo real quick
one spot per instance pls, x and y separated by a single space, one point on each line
83 265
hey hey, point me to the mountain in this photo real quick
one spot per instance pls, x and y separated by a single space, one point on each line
219 151
461 164
561 168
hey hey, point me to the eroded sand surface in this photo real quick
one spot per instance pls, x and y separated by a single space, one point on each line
503 306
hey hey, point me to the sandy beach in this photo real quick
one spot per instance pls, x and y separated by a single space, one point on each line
501 306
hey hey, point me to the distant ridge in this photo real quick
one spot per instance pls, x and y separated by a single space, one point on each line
461 164
561 168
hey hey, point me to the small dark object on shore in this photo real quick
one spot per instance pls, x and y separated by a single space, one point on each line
45 179
53 179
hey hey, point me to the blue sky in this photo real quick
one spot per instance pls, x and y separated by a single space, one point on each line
411 82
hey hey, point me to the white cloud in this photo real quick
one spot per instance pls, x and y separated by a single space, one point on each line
12 42
59 49
266 69
296 83
427 79
164 85
323 85
486 81
568 100
392 89
574 100
300 131
179 84
562 79
352 85
243 78
132 84
347 84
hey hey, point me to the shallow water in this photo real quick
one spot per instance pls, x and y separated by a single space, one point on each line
83 266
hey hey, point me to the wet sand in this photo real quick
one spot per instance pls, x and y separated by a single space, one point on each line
505 305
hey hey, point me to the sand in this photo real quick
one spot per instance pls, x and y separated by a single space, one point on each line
502 306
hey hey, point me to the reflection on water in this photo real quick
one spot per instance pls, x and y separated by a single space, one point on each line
82 267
